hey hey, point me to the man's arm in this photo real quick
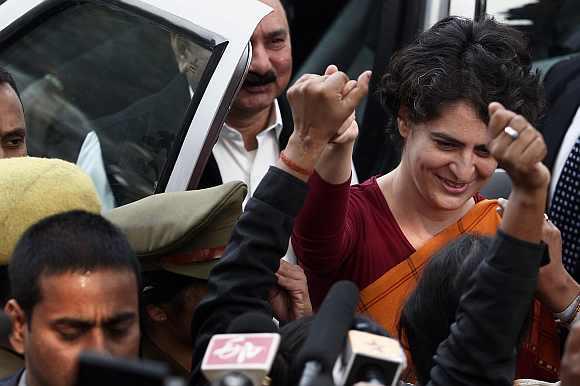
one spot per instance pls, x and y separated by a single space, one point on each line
241 281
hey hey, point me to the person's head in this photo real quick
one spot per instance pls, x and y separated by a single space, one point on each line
75 284
191 58
32 189
12 123
169 300
431 308
177 252
271 65
439 89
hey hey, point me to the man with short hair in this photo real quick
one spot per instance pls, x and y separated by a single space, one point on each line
32 189
259 123
75 284
12 124
256 130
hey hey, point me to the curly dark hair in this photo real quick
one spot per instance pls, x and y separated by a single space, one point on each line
462 60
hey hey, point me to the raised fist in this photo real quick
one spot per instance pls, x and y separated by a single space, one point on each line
518 147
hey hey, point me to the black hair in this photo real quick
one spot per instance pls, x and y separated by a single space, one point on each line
431 308
71 242
6 77
164 287
462 60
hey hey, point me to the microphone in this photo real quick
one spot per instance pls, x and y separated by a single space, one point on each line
244 356
370 358
327 333
252 322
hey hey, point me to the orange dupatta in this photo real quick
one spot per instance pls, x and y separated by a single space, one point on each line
384 298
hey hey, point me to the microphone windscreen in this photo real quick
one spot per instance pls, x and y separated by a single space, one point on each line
329 329
252 323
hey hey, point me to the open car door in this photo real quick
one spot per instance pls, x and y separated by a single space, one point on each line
134 91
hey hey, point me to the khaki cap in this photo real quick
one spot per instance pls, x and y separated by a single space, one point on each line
32 189
182 232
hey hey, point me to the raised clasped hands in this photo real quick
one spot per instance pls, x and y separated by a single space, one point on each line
323 104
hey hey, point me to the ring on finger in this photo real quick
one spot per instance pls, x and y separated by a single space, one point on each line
511 132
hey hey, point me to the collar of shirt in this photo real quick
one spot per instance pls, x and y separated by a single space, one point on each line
22 380
274 123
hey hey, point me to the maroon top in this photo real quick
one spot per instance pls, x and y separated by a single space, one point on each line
360 246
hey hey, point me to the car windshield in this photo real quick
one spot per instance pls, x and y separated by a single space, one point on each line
99 85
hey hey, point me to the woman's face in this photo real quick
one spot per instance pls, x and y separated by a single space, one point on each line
447 158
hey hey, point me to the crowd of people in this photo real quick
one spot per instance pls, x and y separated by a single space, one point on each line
477 293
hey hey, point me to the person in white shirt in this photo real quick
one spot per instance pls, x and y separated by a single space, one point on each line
256 130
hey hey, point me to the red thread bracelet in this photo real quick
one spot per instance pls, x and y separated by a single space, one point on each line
293 165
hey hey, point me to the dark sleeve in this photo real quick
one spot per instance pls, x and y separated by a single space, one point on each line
480 349
241 281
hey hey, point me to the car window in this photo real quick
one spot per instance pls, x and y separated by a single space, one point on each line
100 85
552 26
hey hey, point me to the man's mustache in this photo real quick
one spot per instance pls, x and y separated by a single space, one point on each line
254 79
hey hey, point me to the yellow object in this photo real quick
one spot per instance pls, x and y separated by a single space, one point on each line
32 189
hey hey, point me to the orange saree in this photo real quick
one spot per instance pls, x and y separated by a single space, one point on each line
384 298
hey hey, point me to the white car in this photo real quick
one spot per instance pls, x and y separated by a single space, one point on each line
148 81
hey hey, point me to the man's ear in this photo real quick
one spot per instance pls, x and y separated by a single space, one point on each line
156 313
403 121
19 325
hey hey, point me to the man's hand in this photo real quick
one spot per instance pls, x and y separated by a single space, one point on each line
290 299
570 366
521 157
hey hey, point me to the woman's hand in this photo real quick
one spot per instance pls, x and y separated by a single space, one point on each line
320 106
520 156
519 148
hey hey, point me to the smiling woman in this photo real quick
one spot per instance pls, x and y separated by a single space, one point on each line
381 233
